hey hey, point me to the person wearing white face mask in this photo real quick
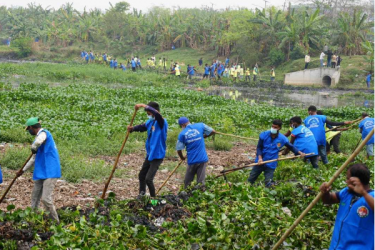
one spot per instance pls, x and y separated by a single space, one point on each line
156 127
269 144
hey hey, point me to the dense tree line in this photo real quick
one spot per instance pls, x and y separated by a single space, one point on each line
269 34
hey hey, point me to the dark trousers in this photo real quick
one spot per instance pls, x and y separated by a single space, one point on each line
314 160
147 174
257 170
199 170
254 78
333 64
323 153
133 68
306 65
335 142
247 78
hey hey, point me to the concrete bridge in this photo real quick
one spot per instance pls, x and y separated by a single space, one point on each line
317 76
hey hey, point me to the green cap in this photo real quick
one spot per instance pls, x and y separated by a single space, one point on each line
32 121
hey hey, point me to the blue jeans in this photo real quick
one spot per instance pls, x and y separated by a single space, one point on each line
257 170
369 150
328 62
321 62
323 153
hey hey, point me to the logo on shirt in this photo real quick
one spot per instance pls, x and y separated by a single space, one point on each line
368 124
313 122
362 211
278 144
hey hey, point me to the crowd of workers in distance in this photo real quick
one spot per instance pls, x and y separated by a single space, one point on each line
215 70
356 211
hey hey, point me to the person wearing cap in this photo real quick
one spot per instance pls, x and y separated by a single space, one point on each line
47 168
192 138
365 127
156 127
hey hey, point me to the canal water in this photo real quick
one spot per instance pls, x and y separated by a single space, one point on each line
299 99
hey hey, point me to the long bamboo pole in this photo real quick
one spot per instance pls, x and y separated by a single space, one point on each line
354 121
236 136
257 164
118 157
317 198
14 179
170 175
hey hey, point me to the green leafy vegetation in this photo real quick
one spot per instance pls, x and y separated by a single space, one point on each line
87 109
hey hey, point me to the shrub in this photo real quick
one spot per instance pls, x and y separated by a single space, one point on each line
276 56
296 53
24 45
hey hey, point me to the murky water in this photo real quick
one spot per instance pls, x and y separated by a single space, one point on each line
289 98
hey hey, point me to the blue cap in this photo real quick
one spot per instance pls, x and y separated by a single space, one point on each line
183 120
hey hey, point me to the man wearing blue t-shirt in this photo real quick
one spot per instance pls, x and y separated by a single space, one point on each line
192 137
46 164
206 71
156 127
134 64
365 127
303 139
316 123
354 226
269 144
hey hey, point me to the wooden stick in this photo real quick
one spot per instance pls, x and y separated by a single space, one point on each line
118 157
14 179
170 175
257 164
317 198
355 121
236 136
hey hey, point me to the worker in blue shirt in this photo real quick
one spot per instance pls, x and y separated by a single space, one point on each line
227 62
269 144
213 68
192 137
105 58
111 63
87 57
133 63
303 139
83 54
206 71
368 80
156 127
200 62
122 66
190 71
365 127
316 123
115 64
46 162
354 225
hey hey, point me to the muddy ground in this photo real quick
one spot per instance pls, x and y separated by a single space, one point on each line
84 193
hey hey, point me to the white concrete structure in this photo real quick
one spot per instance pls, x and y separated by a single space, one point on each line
321 76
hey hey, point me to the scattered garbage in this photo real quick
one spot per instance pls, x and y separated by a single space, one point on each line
287 211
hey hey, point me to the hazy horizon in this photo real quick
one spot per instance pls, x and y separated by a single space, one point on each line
146 5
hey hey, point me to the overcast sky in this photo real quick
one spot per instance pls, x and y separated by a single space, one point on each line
144 5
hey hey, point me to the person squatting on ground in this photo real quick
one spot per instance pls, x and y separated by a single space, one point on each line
192 138
303 139
354 225
365 127
269 144
156 127
47 167
316 123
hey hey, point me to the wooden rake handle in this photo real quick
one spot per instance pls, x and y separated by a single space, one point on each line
14 179
118 157
170 175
